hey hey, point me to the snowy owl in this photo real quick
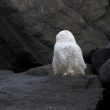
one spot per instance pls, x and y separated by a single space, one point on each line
68 58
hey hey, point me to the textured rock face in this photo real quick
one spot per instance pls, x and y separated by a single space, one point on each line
28 28
25 92
104 73
100 57
103 24
90 9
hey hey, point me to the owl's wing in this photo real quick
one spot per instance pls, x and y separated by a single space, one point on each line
80 57
59 60
59 55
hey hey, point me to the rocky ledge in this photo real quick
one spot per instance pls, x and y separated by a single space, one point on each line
30 92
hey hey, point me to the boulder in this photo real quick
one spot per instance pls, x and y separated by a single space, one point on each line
104 73
99 57
27 92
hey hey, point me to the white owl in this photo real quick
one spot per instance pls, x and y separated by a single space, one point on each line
68 58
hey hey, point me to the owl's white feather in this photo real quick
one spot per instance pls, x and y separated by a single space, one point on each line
68 58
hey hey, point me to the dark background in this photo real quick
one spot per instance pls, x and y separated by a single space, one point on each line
28 29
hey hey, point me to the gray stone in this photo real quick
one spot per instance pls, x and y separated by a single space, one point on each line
29 27
91 10
88 39
27 92
103 24
40 71
99 57
13 44
104 73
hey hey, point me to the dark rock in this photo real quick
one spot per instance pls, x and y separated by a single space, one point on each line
28 29
40 71
24 61
4 63
103 24
100 57
89 41
27 92
105 102
19 55
94 9
5 56
88 69
90 9
104 73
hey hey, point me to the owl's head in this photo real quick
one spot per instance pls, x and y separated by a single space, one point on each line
65 36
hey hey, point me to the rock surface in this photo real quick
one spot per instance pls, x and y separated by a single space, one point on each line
99 57
103 24
40 71
27 92
28 28
104 73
